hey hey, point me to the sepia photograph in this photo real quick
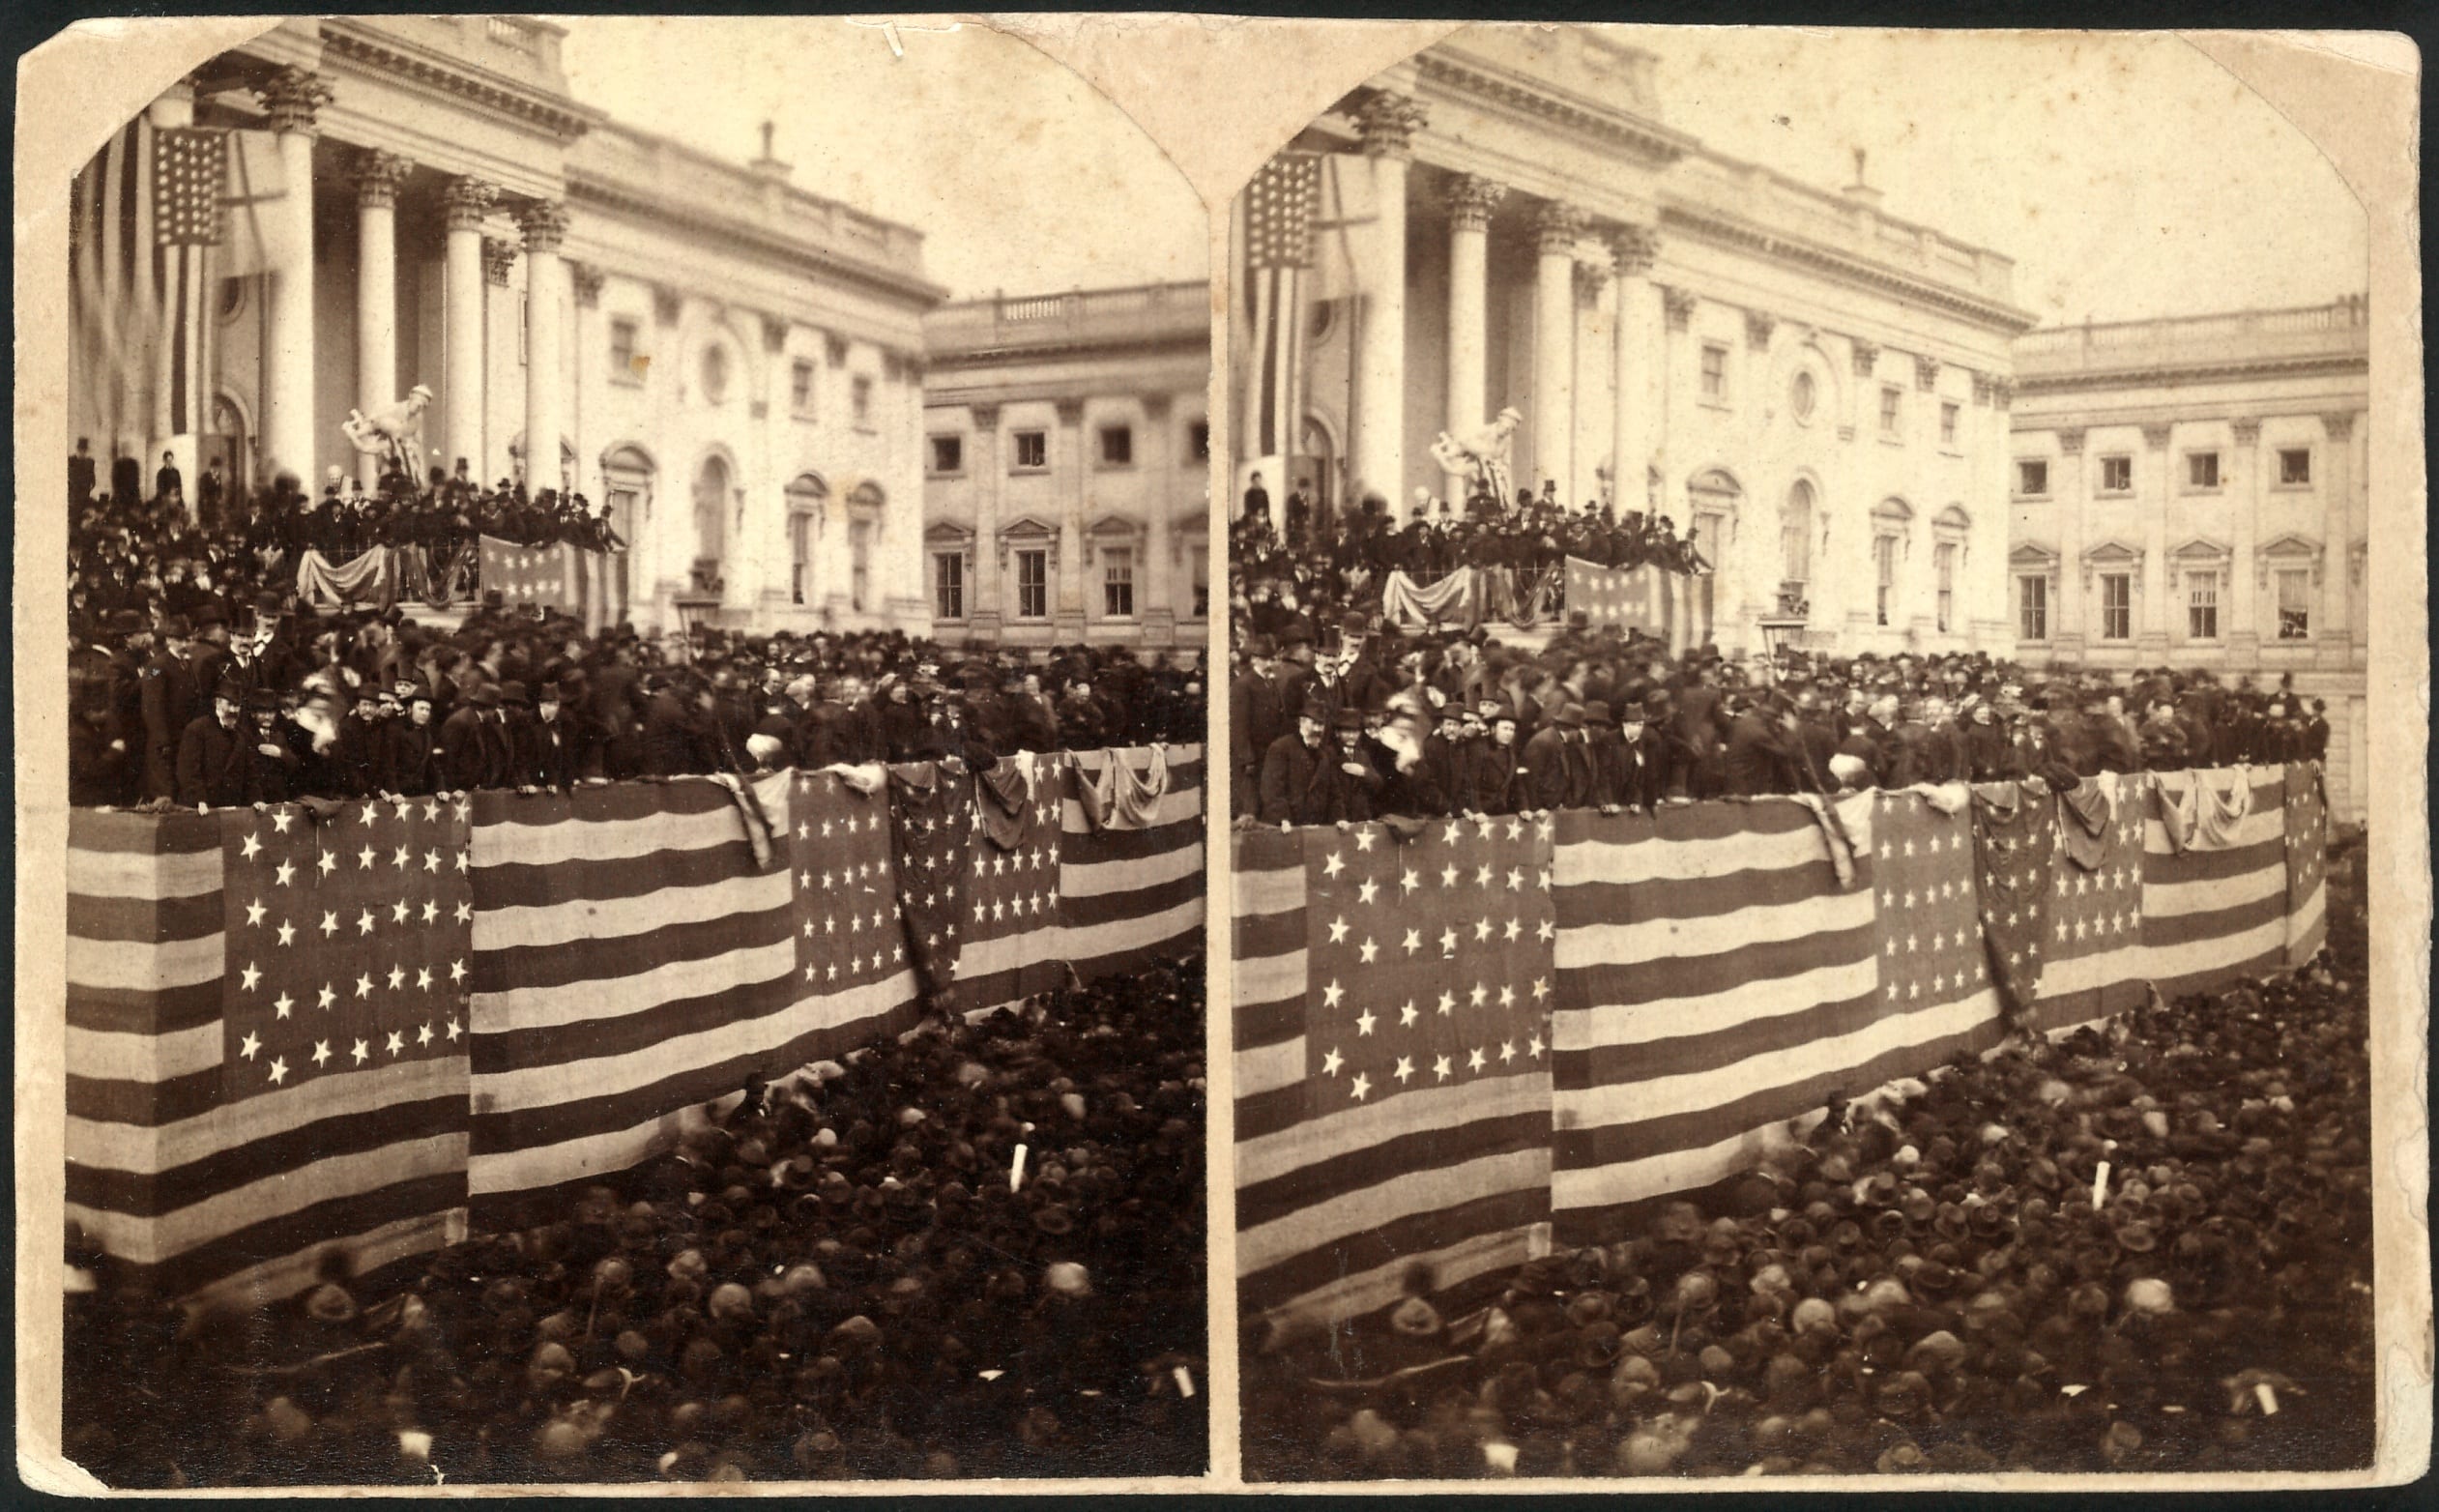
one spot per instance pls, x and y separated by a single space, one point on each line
1799 767
635 704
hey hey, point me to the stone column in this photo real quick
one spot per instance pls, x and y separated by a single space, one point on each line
2336 535
1555 230
1155 595
545 225
1067 594
2150 635
2072 488
1471 201
465 201
378 175
1388 122
1637 323
2243 598
585 283
293 99
989 480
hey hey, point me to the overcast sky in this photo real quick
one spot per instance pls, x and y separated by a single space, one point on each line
2128 178
1020 176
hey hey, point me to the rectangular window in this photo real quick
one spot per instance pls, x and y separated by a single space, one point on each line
859 551
1118 583
2295 466
948 454
949 585
623 354
1199 448
2117 606
1033 585
2201 469
2295 604
1884 576
2032 477
1118 445
1892 408
2032 608
2201 606
864 399
2117 475
800 386
1032 448
799 556
1943 561
1947 425
1201 555
1714 372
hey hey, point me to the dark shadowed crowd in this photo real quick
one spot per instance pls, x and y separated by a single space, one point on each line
2145 1247
1376 723
978 1251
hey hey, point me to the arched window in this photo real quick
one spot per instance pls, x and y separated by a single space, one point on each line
866 503
1795 538
1892 530
711 492
807 495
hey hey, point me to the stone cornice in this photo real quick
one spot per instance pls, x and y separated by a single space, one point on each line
554 116
1199 342
2163 373
584 189
1844 267
1650 142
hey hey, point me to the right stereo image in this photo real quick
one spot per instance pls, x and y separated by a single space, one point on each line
1798 767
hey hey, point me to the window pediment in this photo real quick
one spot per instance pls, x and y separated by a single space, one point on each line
2032 556
2289 551
1027 533
2200 551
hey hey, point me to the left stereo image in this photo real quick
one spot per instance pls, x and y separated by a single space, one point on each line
635 786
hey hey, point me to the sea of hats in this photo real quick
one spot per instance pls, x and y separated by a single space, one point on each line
2146 1247
978 1251
1448 723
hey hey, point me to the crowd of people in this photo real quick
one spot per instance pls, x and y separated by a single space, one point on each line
2145 1247
197 678
1382 724
1329 566
856 1273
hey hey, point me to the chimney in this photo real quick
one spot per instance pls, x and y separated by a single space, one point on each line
1859 192
769 165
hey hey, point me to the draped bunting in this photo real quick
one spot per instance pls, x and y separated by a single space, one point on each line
2085 813
1453 599
370 578
1007 790
1114 797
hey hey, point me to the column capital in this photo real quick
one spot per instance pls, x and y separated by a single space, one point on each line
1472 198
985 416
1070 412
378 175
1156 406
1388 122
2071 441
1679 303
2338 425
587 281
1926 373
467 201
1865 356
1635 247
2155 437
294 99
1981 389
2245 431
544 223
497 256
1759 325
1558 226
1591 275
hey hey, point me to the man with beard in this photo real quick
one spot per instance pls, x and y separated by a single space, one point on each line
409 755
1358 789
267 766
1875 741
355 763
1636 780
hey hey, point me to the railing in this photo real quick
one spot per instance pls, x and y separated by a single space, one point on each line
2343 323
1017 320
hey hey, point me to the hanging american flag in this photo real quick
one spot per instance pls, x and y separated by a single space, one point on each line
2092 963
138 295
933 829
190 173
1393 1088
1131 884
851 938
1012 938
2307 862
1279 206
2214 877
2015 842
551 577
1645 598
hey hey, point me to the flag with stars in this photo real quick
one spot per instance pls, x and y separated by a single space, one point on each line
267 1038
933 829
1645 598
2091 923
2014 844
1131 887
1013 946
855 980
2214 907
554 577
633 960
1394 1107
2307 862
